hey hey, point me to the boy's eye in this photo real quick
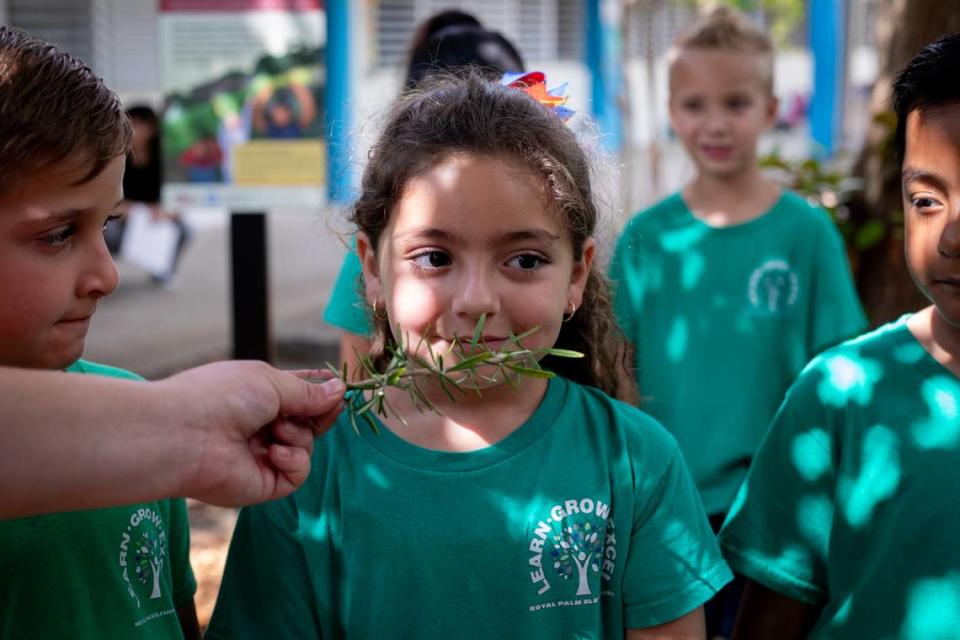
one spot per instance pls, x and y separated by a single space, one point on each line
58 237
738 103
431 259
924 204
692 105
526 261
111 221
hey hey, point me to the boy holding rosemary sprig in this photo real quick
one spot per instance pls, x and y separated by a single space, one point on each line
109 573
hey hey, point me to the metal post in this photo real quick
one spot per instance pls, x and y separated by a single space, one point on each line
602 57
827 20
338 94
251 295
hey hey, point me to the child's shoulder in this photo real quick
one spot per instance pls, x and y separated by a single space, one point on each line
657 214
797 212
858 363
94 368
620 419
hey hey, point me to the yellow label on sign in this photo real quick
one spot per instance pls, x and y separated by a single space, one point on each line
279 163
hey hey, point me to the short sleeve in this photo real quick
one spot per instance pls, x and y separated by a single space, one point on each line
674 564
184 582
626 281
778 530
266 590
346 308
835 306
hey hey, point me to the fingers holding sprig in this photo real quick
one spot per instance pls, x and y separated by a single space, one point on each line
324 394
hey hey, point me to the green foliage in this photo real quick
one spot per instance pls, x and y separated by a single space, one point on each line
473 363
829 188
785 16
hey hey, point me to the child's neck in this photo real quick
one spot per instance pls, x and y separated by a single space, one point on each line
723 201
940 339
468 423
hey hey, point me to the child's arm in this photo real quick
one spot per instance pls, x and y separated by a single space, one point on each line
764 613
688 627
187 614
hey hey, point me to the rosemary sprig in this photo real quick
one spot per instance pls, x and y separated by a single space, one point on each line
405 368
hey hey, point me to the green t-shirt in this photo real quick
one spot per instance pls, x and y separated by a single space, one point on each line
580 523
98 574
346 308
723 319
851 502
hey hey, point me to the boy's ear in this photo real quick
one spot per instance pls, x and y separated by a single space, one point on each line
773 108
581 272
371 270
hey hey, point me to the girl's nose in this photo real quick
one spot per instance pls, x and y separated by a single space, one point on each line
477 293
99 276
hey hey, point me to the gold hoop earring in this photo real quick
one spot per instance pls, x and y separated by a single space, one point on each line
376 309
568 316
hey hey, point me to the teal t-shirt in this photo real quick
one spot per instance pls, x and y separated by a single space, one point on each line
580 523
98 574
346 308
851 503
723 319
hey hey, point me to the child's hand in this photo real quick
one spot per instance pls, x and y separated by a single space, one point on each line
249 429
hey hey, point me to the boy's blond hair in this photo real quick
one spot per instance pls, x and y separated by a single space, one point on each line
726 29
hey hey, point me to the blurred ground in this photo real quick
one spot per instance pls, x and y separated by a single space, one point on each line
156 331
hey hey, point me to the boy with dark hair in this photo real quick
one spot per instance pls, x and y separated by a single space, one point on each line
847 523
108 573
727 288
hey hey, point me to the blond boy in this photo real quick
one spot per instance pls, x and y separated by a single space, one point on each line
728 287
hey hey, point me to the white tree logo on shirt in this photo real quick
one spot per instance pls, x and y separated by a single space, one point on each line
773 287
570 547
143 550
578 545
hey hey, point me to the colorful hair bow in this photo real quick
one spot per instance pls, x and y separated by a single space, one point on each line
534 84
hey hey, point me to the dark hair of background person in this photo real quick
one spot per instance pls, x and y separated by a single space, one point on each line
438 21
930 79
53 107
143 178
466 113
454 39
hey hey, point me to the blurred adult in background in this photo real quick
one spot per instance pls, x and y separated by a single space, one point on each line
445 42
142 183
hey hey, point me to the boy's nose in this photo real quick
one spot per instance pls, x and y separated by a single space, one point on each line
476 293
99 277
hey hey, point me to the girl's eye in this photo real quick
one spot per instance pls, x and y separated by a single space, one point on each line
59 237
527 261
431 260
692 105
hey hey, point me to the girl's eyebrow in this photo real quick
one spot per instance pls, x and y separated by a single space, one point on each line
432 233
537 234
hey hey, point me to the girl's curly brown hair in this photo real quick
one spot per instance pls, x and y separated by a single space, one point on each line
467 114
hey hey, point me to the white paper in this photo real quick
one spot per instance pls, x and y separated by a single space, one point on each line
147 243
